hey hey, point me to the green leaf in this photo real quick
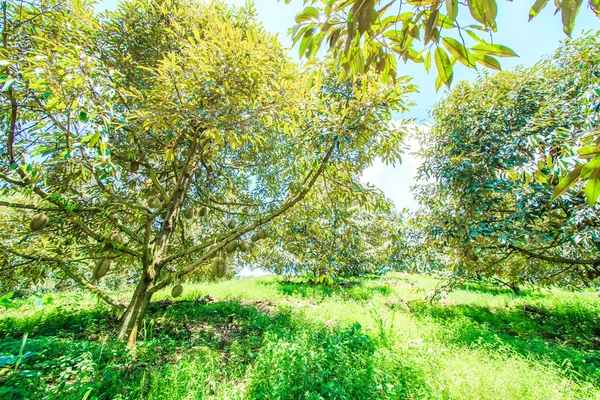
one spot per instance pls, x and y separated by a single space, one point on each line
536 8
588 151
484 11
307 14
444 67
487 61
569 9
363 12
458 50
595 6
452 9
444 22
589 166
475 37
567 181
427 61
430 25
592 189
497 50
83 117
8 84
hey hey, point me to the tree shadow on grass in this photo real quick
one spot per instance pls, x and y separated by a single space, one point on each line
499 290
345 289
568 337
210 341
70 351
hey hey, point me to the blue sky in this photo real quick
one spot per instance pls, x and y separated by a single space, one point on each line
530 40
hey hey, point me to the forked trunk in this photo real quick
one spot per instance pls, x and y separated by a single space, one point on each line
134 314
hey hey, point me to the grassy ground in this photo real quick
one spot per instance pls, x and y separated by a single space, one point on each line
272 339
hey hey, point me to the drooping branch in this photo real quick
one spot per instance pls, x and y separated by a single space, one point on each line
64 266
560 260
26 182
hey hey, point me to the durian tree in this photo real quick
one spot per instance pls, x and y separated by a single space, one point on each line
343 228
497 150
162 137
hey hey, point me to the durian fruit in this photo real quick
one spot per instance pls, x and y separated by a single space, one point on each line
101 269
231 224
134 166
177 290
255 237
38 222
188 213
591 274
231 246
243 246
116 237
218 267
262 233
204 211
153 202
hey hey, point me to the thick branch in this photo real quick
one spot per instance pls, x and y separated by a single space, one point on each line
241 231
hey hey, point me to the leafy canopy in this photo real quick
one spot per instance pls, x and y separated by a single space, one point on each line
366 35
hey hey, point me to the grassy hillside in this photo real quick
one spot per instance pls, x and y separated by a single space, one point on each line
273 339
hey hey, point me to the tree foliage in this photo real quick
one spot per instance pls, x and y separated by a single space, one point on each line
492 160
368 35
343 228
157 137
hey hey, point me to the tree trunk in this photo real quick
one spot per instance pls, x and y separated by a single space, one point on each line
134 315
515 289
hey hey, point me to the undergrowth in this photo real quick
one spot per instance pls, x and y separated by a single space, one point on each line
271 338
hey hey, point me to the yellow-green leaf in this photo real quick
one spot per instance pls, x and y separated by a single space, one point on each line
458 50
569 9
452 9
595 6
592 189
444 66
307 14
536 8
566 182
497 50
589 166
588 151
487 61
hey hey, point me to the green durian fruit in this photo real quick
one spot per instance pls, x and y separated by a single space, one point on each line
38 222
243 246
117 238
219 267
188 213
231 224
102 267
134 166
177 290
153 202
204 211
231 246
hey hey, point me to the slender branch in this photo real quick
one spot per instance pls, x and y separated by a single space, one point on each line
64 266
553 259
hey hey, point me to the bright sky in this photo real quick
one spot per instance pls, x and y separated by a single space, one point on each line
530 40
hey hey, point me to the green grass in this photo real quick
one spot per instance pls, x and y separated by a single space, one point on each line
269 338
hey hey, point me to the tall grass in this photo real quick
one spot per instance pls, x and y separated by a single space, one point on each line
269 338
